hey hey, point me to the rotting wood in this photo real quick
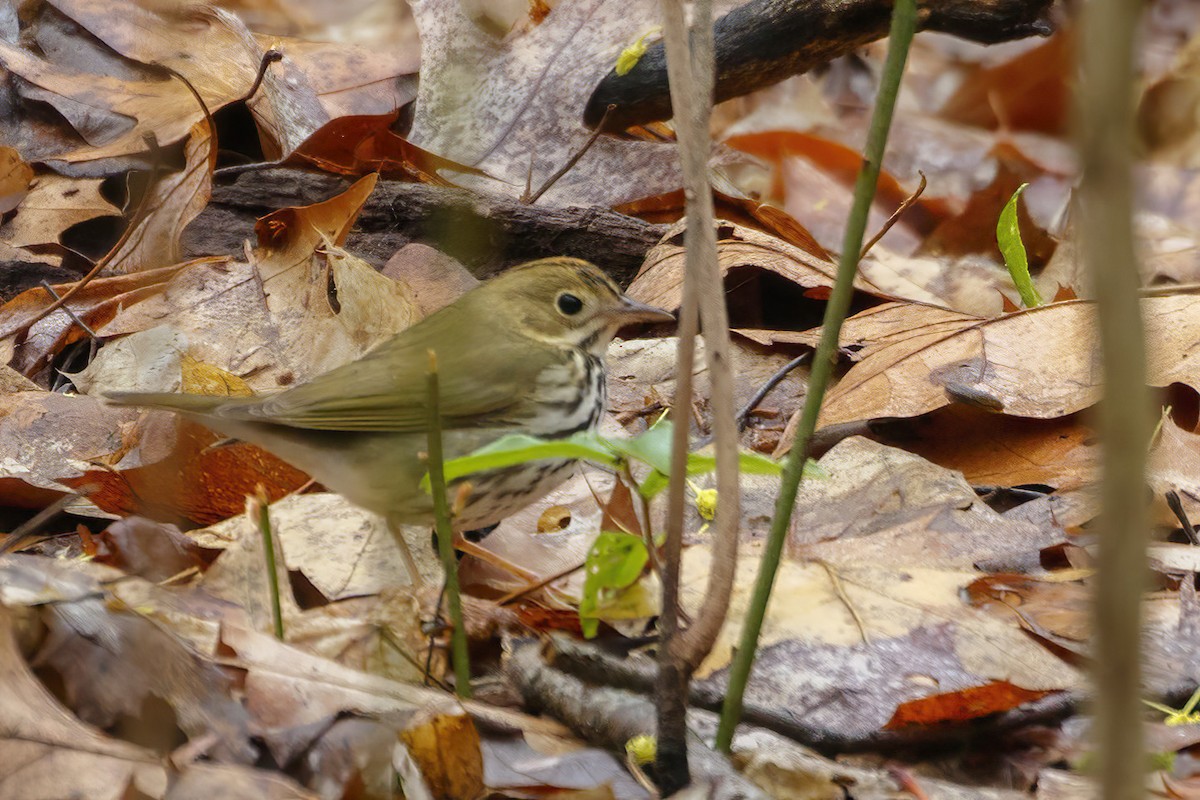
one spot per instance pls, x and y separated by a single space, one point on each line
486 232
766 41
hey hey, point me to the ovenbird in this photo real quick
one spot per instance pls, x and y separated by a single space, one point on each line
521 353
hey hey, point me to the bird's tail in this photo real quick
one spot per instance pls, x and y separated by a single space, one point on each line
193 403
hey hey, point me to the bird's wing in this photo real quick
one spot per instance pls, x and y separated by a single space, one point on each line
484 379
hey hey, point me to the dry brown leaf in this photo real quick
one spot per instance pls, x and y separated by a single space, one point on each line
140 661
435 279
887 633
367 22
128 461
15 179
900 509
1169 113
173 202
204 781
149 550
292 324
136 107
353 755
288 689
1040 363
813 179
341 549
54 204
215 52
61 756
741 253
965 704
319 82
446 747
898 541
1029 92
361 144
513 106
1000 450
95 304
1175 466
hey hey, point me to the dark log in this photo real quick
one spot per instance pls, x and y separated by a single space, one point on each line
485 232
588 663
610 717
765 41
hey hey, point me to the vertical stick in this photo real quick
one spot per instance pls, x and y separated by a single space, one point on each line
445 536
690 69
1106 231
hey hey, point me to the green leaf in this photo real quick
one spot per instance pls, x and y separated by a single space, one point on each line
652 447
519 448
749 462
615 561
1008 236
654 483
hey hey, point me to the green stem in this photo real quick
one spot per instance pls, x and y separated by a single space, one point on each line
441 512
264 527
904 22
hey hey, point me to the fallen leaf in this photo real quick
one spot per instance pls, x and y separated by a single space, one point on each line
174 201
54 204
15 179
1029 92
1040 363
966 704
513 107
112 113
341 549
61 756
1002 450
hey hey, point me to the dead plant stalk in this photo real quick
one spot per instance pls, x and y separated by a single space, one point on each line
690 70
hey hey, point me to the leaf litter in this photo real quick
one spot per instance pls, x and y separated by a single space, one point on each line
911 596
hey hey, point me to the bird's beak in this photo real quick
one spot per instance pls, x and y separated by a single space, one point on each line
630 311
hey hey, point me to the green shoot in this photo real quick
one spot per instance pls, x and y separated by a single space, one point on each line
1008 236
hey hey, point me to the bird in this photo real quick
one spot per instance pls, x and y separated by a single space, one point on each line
520 353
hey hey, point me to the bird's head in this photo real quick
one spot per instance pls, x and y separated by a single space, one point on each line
567 302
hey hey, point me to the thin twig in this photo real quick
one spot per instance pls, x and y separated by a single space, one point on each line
270 57
1176 506
388 638
16 539
1169 291
895 217
571 162
445 537
70 312
743 416
904 20
138 215
93 339
690 71
517 594
836 581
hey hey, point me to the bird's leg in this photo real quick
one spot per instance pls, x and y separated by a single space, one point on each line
410 564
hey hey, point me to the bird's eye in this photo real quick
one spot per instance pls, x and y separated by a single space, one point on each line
569 304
